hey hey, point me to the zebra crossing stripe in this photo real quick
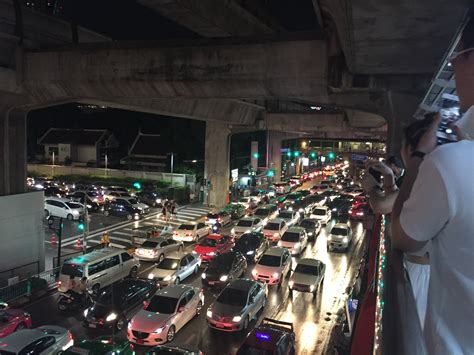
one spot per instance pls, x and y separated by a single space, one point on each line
122 233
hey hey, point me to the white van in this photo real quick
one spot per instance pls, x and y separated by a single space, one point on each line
101 268
62 207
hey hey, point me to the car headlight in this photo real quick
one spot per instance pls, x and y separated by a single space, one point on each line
276 275
334 209
311 288
236 319
251 252
248 231
158 330
111 317
254 272
151 276
224 278
129 326
212 253
89 206
310 234
345 240
291 283
203 276
158 200
279 243
209 314
86 311
329 238
232 230
168 278
301 210
75 212
290 208
276 234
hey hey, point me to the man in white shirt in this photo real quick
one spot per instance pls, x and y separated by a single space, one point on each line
436 203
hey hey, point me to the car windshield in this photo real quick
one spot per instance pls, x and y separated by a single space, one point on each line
73 205
233 297
221 262
293 197
251 350
74 270
168 264
273 226
319 212
339 231
323 186
149 244
244 199
92 194
307 224
133 201
307 269
162 304
209 242
187 227
109 296
287 215
262 212
290 237
246 240
269 260
212 215
245 223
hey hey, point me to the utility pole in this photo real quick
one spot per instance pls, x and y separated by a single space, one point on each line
52 167
86 229
59 231
106 163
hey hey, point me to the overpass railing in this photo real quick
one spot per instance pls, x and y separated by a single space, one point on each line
397 326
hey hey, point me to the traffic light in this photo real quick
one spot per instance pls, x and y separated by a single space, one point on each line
297 154
255 155
137 185
331 155
288 153
81 226
270 173
313 155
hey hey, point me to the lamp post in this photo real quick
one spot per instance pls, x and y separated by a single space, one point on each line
106 163
52 167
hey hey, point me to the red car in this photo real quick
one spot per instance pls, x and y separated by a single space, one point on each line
360 211
12 320
271 337
213 245
358 201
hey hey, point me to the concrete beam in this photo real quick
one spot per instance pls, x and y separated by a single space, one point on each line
233 112
211 18
279 69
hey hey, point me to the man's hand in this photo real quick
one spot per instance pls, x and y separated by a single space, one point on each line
460 133
380 167
428 140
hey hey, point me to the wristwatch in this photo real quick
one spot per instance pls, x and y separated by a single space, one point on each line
418 154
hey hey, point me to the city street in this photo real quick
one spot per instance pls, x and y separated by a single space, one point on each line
313 319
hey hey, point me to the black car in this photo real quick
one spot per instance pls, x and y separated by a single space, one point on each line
116 208
151 198
304 193
54 191
171 350
312 227
302 206
340 204
251 245
330 195
224 268
117 303
87 198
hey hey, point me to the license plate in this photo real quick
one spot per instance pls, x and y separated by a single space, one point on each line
91 325
212 282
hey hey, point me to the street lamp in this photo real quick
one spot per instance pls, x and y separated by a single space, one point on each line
304 144
52 168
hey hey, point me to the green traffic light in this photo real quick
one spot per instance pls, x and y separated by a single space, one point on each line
288 153
313 155
137 185
331 155
255 155
297 154
270 173
80 226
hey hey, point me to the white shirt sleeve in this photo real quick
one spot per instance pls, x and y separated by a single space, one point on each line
426 211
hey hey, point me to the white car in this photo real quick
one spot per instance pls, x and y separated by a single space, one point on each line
114 191
308 276
191 232
295 239
134 202
322 214
47 339
247 225
155 249
291 218
63 208
165 314
319 189
340 237
274 229
175 268
282 188
248 202
273 266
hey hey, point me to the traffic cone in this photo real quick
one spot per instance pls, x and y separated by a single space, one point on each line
78 244
53 239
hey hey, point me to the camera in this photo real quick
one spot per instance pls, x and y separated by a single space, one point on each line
449 113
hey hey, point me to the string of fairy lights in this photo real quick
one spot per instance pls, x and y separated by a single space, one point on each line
379 303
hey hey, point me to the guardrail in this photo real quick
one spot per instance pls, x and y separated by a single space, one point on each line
22 272
397 326
31 287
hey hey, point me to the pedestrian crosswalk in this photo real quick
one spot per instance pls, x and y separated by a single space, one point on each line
121 235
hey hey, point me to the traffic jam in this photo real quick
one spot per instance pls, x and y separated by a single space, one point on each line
226 271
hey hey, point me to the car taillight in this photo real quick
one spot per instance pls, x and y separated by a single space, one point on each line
69 336
175 233
189 234
59 284
219 219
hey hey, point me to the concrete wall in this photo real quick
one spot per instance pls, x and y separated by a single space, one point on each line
22 236
178 179
86 153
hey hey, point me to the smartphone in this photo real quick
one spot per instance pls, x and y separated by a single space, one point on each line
449 113
376 174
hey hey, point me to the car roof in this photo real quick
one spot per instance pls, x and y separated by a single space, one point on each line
341 225
93 256
241 284
177 255
314 220
320 208
17 340
296 229
188 223
61 199
274 335
275 220
174 291
276 251
250 218
309 261
265 207
214 236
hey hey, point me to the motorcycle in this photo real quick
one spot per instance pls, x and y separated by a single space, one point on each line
72 301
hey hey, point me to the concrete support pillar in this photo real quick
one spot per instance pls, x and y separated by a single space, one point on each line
274 153
399 110
12 151
216 163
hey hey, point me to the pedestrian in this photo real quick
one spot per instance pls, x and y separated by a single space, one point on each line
435 204
164 211
105 241
173 209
